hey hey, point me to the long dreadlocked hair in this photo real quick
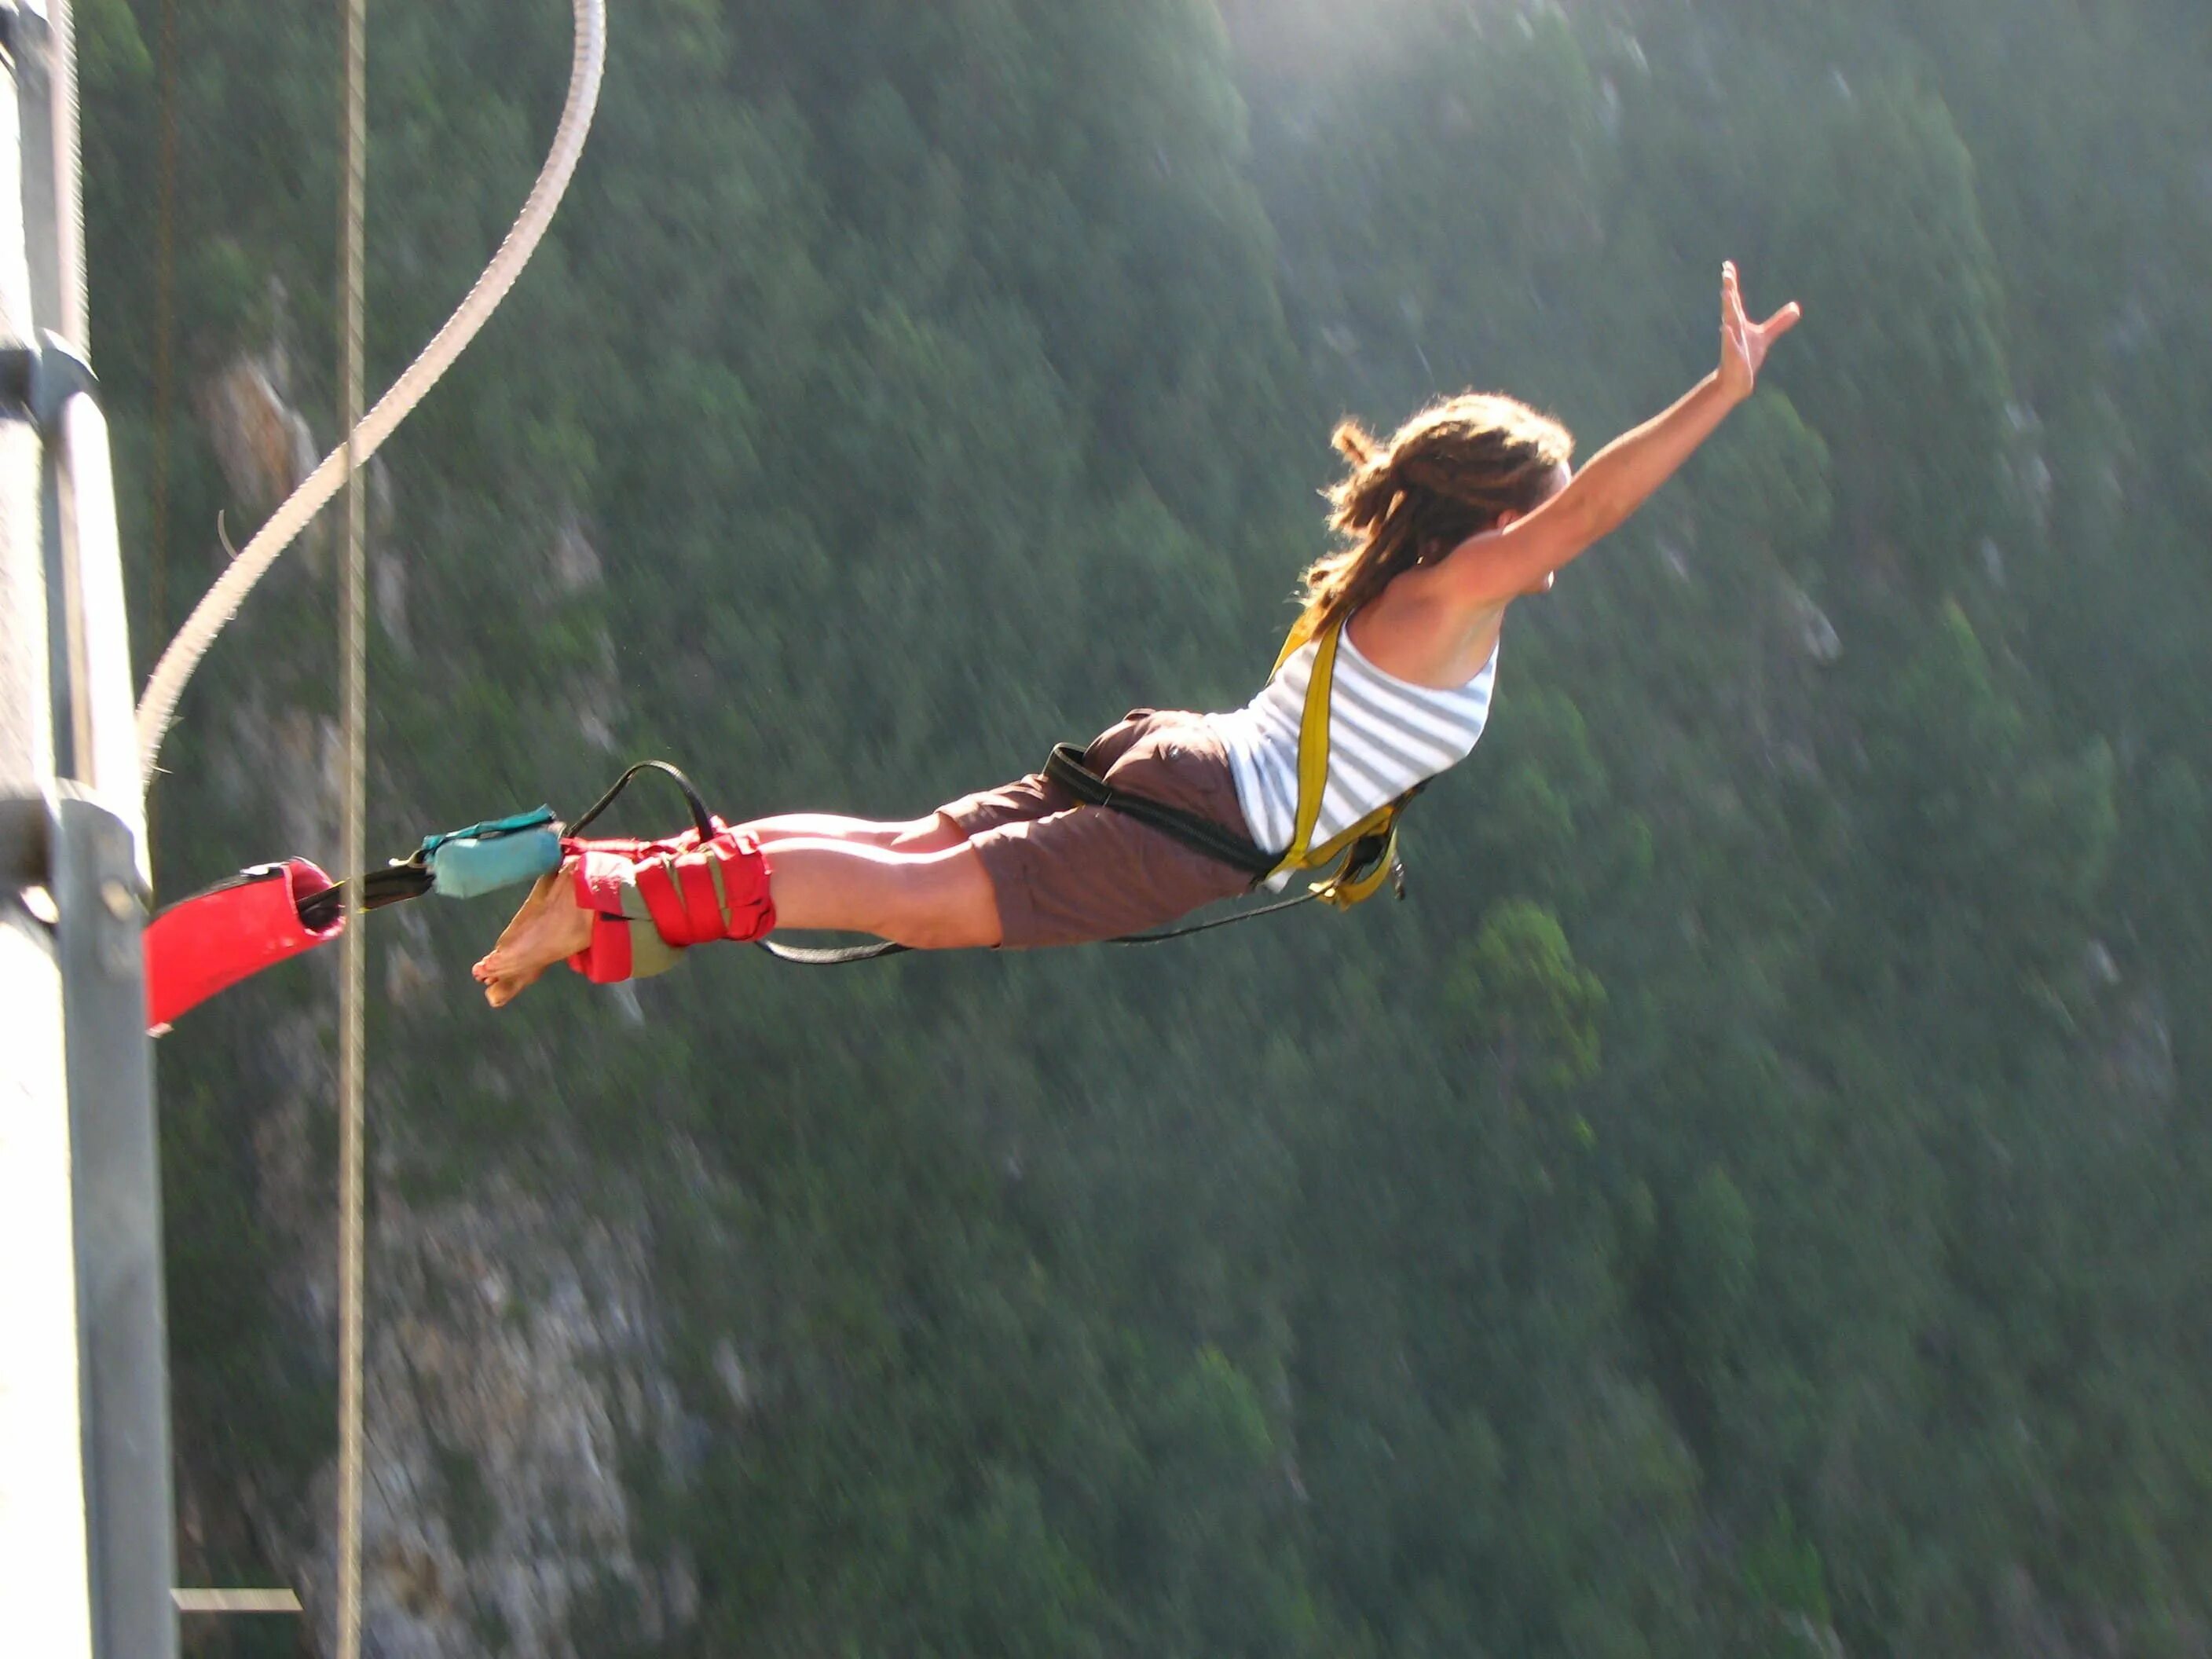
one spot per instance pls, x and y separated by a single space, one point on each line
1444 476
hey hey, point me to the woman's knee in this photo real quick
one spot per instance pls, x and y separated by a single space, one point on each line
946 902
934 834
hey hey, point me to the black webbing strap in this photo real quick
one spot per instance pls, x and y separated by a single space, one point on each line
1201 834
393 884
699 816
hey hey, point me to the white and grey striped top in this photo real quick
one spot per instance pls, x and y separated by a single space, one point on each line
1385 735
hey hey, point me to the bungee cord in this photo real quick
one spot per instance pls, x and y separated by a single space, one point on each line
157 706
353 975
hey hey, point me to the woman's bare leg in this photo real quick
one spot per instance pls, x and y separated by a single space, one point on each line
936 899
934 834
939 900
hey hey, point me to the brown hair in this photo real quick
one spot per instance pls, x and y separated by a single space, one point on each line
1448 473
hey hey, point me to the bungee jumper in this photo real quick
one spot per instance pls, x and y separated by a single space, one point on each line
1384 682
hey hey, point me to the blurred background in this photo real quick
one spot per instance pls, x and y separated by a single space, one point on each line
1749 1199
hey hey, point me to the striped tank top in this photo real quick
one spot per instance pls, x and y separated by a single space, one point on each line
1385 735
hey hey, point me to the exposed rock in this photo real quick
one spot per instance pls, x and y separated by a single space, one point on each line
730 1372
1797 760
1813 1640
576 562
1816 634
410 966
2140 1058
387 588
595 701
308 752
594 697
1993 561
513 1358
261 442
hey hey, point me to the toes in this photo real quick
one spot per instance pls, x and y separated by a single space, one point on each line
505 989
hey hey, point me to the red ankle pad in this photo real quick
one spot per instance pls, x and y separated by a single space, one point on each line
693 893
709 890
609 958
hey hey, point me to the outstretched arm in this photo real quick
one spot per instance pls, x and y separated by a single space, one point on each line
1500 564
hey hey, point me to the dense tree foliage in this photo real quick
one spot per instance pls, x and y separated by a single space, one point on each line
1751 1201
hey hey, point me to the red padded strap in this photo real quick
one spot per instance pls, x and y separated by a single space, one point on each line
599 873
694 892
680 891
703 901
656 885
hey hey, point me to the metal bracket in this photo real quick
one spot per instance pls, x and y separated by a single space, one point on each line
23 23
236 1600
37 382
28 827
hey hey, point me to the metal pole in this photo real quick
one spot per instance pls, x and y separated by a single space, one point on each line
98 1543
115 1159
353 963
46 1598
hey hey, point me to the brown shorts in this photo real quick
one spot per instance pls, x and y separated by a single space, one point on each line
1066 874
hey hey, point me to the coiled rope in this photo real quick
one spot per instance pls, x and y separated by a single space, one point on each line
158 706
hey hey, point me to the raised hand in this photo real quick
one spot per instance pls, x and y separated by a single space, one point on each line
1744 342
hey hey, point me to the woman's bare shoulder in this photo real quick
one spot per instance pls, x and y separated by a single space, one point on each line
1419 629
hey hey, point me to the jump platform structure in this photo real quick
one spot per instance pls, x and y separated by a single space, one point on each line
87 1546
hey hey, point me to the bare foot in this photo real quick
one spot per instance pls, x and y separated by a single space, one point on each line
550 927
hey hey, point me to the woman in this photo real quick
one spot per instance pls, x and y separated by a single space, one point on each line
1469 506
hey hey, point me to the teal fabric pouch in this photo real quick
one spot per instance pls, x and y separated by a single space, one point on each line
486 857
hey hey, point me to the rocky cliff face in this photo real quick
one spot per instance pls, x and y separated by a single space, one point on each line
516 1366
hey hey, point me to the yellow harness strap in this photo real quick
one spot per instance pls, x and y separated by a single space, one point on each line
1369 848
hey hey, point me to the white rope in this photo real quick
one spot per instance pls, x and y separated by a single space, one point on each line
159 704
353 973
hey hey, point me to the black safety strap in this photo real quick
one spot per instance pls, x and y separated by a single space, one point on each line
392 885
1201 834
699 816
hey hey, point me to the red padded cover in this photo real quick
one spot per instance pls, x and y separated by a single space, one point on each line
677 879
209 942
